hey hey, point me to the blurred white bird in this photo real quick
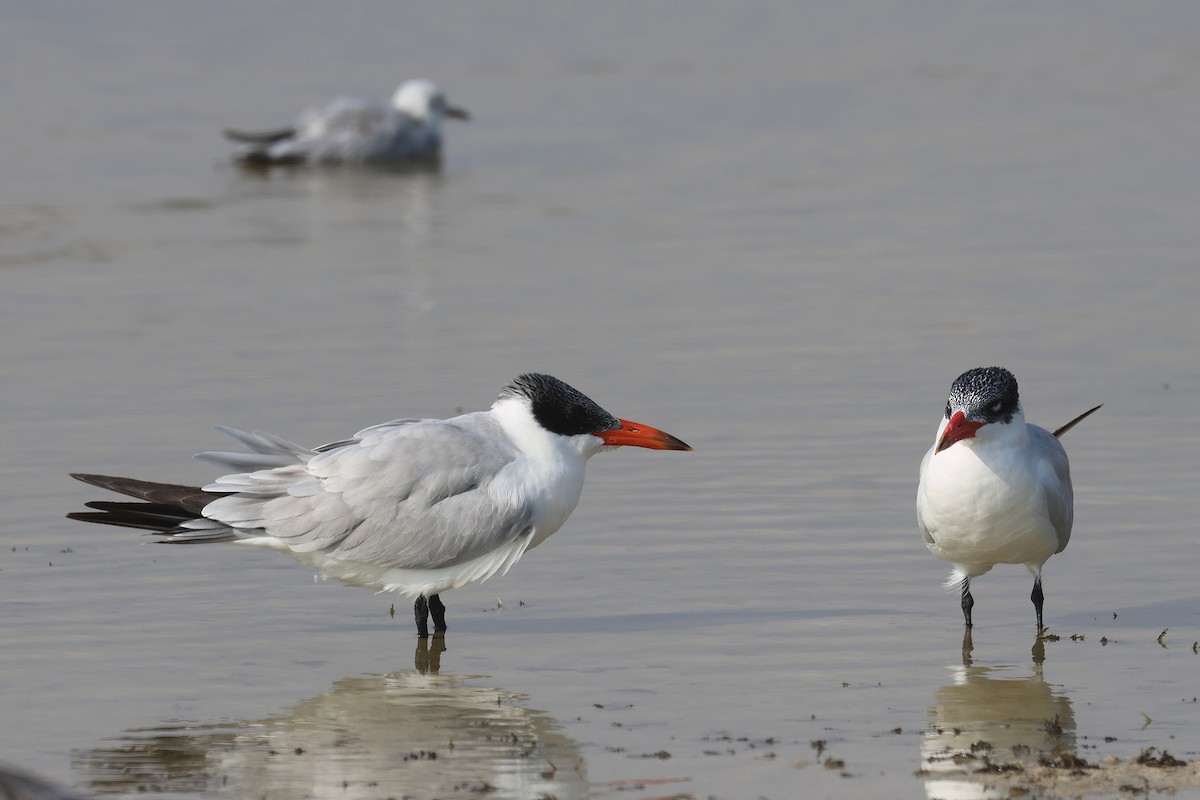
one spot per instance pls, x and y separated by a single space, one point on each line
411 506
993 489
408 130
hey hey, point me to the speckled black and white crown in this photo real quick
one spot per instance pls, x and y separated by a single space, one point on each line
988 394
560 408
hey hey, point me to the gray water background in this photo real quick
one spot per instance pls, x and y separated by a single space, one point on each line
777 231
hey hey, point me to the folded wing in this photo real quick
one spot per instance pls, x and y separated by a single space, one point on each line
410 494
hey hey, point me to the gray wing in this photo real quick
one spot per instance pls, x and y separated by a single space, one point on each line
409 494
345 130
266 451
1054 472
361 131
345 114
344 127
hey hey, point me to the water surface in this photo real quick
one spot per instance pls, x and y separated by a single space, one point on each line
778 232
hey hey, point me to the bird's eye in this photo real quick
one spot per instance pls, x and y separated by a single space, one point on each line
996 406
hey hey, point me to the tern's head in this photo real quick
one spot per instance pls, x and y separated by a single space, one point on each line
564 410
978 397
423 100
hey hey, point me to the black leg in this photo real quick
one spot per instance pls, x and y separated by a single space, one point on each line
968 602
421 614
438 611
1037 599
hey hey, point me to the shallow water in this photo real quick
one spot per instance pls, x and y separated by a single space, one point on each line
778 233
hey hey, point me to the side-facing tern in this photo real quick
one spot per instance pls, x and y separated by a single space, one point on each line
994 489
350 130
415 506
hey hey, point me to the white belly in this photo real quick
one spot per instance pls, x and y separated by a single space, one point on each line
977 515
408 582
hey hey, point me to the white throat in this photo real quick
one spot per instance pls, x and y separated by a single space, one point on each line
515 416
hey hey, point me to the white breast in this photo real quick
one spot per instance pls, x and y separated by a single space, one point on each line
983 502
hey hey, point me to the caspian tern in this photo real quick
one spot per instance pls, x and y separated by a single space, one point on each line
354 131
993 489
415 506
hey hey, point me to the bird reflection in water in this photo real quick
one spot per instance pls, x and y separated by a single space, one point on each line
428 658
408 733
990 719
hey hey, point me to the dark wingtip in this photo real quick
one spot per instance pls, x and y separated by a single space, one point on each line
95 480
257 137
189 499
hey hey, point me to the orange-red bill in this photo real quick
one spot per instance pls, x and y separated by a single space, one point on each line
635 434
957 429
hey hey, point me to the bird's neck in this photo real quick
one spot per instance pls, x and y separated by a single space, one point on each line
518 422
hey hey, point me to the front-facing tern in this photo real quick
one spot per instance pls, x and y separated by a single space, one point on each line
415 506
994 489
